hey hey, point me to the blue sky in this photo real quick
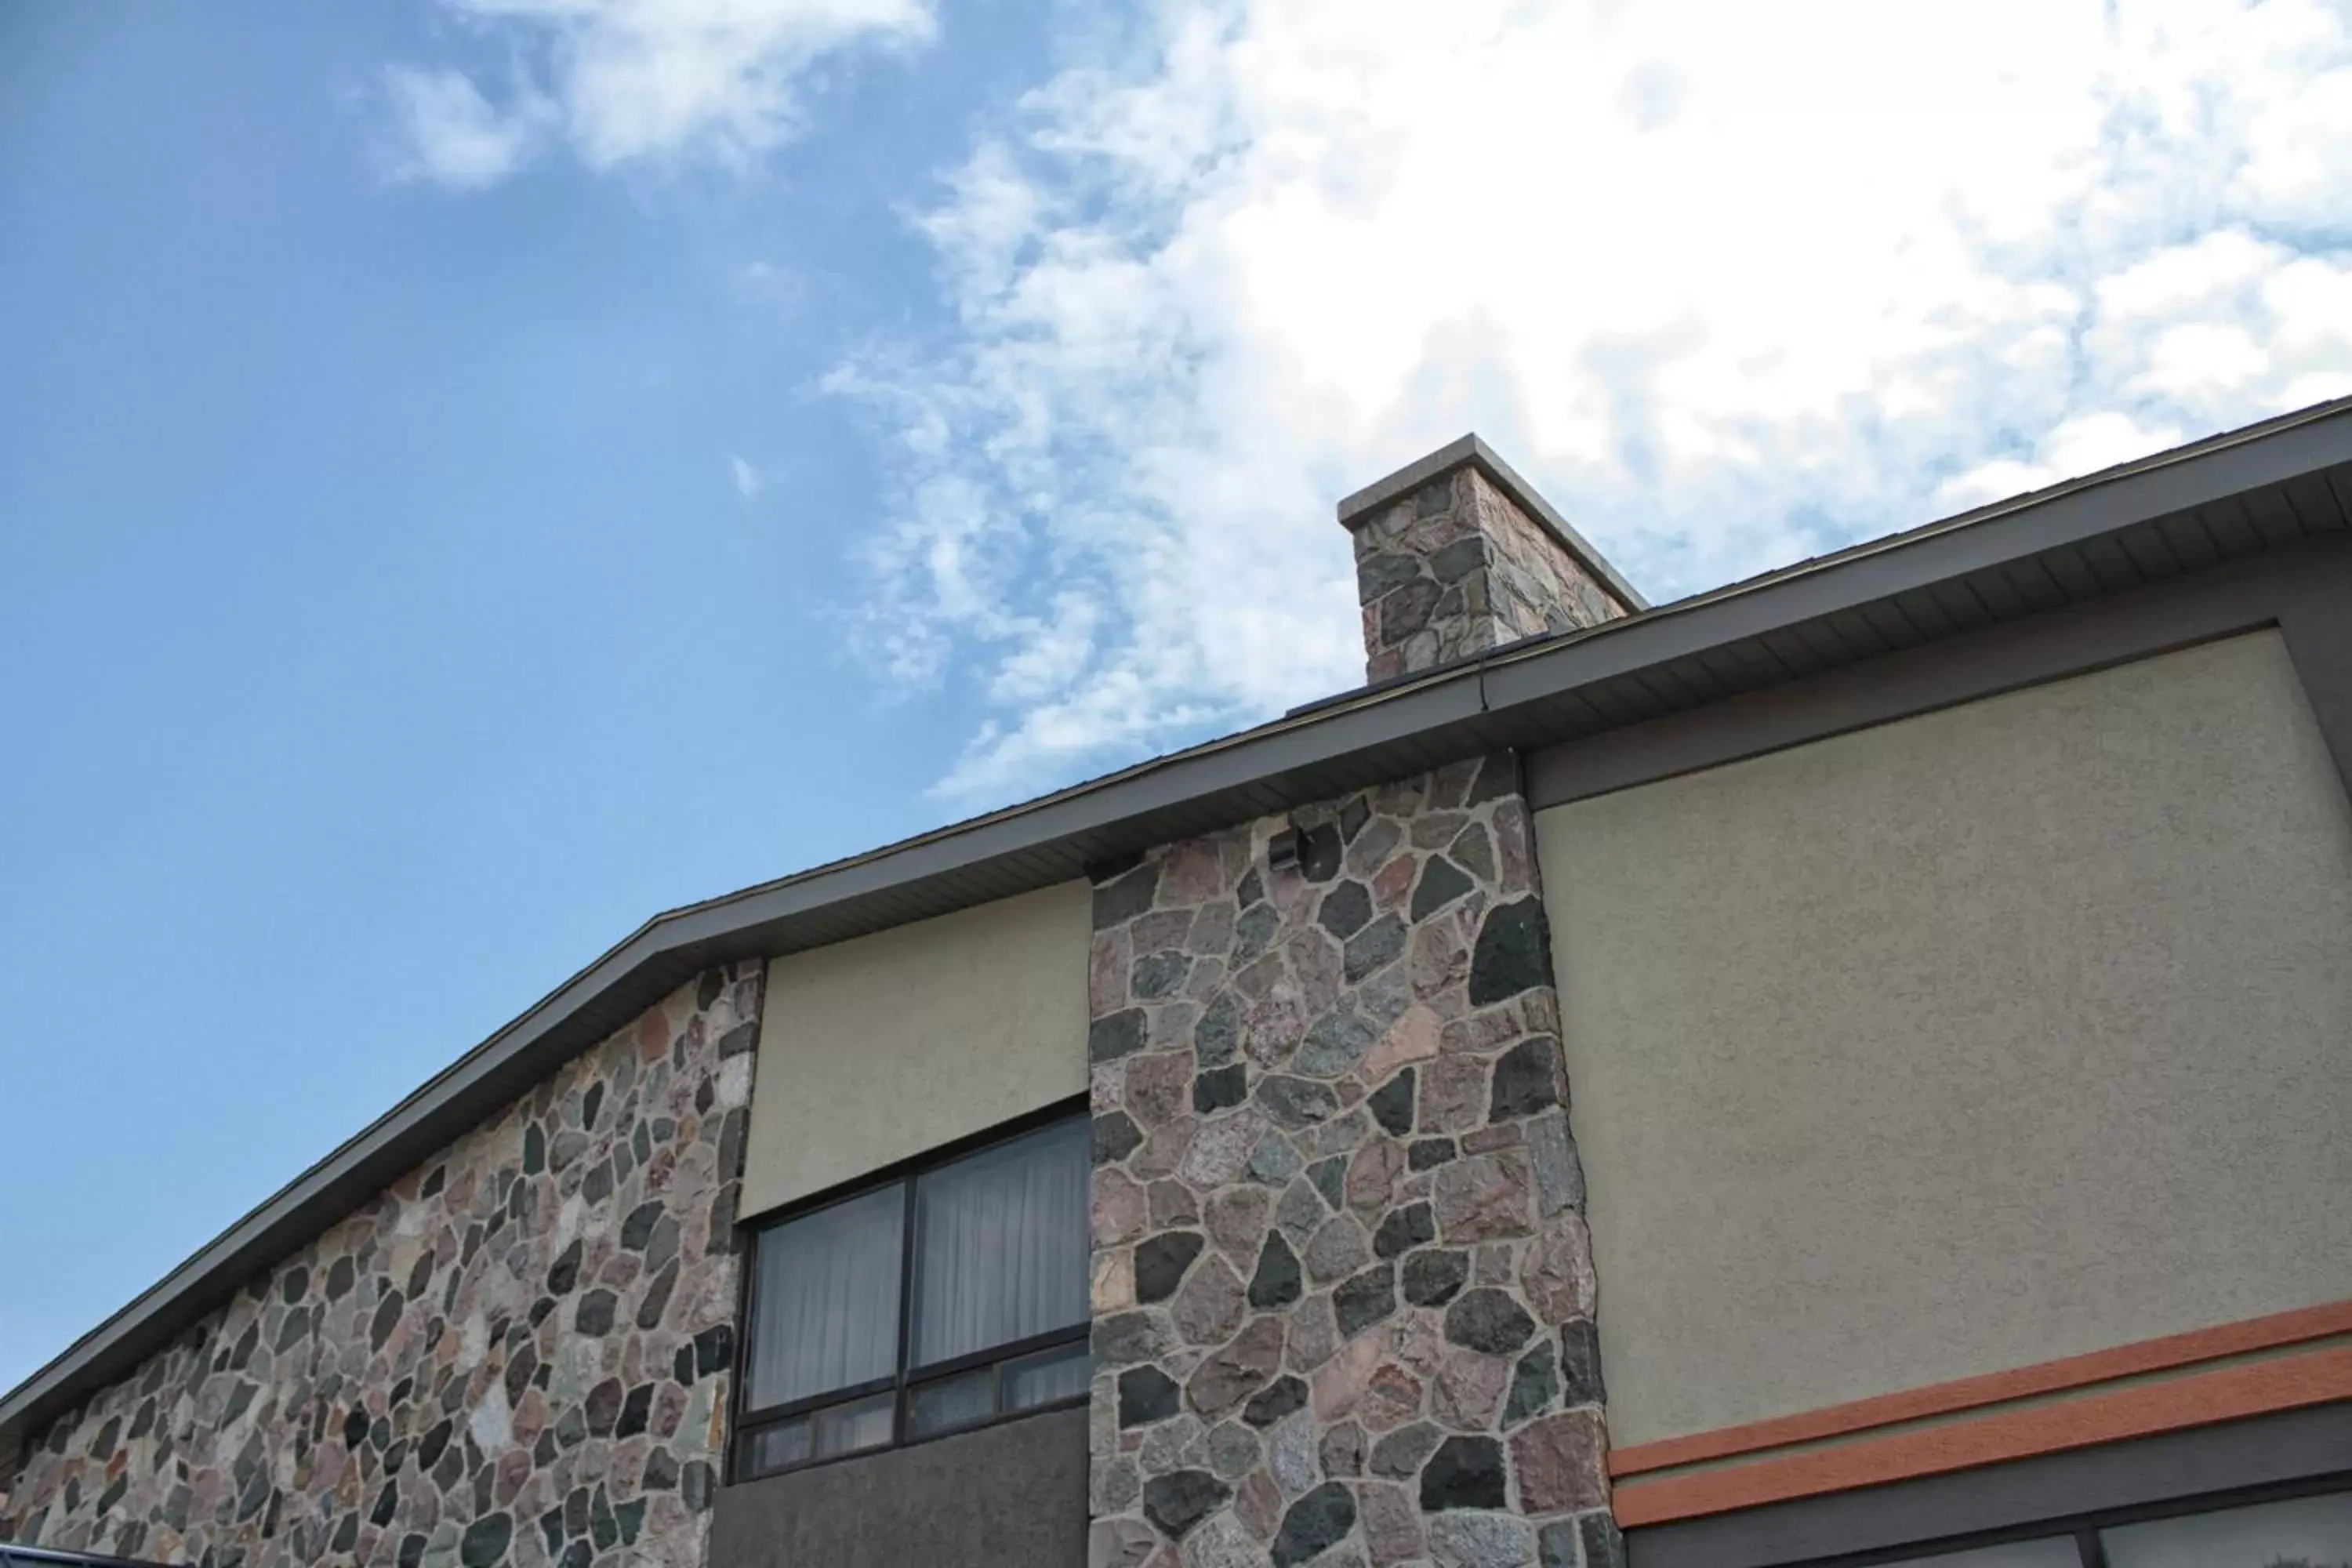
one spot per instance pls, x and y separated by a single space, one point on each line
473 473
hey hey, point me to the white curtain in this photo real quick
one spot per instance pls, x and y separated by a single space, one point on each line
827 1310
1001 1245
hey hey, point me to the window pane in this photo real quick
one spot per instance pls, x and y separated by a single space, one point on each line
862 1424
2050 1552
1047 1377
827 1306
1001 1245
2312 1531
786 1443
952 1402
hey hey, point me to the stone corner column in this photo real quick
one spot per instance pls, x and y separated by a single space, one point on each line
1342 1285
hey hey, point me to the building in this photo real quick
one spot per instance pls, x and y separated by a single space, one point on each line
1853 1063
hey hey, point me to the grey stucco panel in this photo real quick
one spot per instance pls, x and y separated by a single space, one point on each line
1994 1036
985 1021
1013 1496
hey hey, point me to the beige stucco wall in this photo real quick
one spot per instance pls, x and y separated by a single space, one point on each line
879 1048
1993 1035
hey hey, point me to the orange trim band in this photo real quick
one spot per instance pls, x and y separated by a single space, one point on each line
2164 1354
2225 1394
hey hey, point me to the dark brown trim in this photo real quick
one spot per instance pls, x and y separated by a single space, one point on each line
2303 589
2172 1352
2297 1451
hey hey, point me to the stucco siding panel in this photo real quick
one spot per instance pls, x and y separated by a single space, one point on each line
882 1047
2002 1034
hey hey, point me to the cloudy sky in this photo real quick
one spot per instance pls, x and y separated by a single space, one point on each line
475 472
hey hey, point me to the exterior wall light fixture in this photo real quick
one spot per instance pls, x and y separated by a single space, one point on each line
1282 850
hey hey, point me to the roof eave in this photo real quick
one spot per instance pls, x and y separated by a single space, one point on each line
1500 699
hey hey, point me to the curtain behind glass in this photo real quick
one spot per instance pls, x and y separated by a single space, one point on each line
828 1300
2314 1529
1001 1245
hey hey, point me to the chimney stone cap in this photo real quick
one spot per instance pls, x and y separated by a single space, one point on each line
1470 451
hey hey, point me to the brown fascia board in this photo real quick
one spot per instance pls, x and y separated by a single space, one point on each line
1471 452
1499 699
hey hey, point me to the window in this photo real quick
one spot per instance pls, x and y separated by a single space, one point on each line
2311 1532
950 1297
2288 1532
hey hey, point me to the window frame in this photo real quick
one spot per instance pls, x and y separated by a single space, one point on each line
747 1423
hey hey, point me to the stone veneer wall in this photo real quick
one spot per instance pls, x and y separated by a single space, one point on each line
1456 568
519 1353
1342 1283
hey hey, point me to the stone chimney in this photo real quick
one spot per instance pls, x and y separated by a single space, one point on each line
1456 554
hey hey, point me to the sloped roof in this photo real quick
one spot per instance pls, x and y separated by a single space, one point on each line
2235 494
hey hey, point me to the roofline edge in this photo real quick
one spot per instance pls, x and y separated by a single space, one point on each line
677 943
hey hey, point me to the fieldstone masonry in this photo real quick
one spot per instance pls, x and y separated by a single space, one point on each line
519 1354
1457 567
1343 1289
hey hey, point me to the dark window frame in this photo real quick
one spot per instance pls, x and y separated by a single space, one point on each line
747 1423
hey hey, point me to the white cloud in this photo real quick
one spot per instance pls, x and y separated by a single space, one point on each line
749 480
450 133
2082 445
624 80
1733 283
